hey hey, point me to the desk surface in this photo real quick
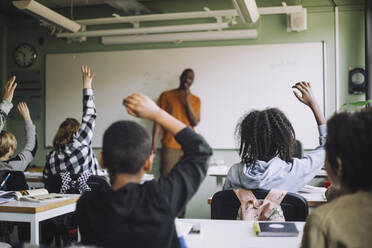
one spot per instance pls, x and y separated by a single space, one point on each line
33 207
233 233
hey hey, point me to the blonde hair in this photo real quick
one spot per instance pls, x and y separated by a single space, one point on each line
65 132
7 140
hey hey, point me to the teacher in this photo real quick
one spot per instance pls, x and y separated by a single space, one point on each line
184 106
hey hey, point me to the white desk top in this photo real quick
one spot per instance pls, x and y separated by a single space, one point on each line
35 207
235 234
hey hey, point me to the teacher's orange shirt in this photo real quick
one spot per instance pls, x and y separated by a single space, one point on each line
173 101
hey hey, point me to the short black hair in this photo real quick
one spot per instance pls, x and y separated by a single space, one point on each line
184 73
349 137
265 134
126 146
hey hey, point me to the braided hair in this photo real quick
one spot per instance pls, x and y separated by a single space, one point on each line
265 134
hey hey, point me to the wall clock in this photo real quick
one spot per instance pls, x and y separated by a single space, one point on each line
25 55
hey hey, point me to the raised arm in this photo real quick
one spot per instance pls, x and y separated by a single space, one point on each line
193 117
307 167
307 98
142 106
85 133
156 130
6 102
22 160
184 179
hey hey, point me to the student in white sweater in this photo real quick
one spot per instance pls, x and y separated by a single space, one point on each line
267 141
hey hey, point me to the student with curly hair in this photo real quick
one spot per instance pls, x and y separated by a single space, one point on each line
267 142
347 220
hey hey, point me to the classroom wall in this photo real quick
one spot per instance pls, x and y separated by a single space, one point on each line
3 47
272 29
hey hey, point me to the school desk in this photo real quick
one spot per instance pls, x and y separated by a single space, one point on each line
234 233
22 211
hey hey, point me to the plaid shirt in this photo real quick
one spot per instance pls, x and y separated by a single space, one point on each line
77 156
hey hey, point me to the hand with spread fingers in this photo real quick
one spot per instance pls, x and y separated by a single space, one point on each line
139 105
87 76
9 89
307 96
23 110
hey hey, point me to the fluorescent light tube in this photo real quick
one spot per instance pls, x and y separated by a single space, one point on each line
159 17
146 30
178 37
40 10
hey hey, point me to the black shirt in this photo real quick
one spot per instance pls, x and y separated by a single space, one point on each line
142 215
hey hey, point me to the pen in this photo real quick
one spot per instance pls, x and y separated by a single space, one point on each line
4 181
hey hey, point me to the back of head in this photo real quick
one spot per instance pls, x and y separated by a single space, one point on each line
7 140
126 146
349 138
265 134
65 132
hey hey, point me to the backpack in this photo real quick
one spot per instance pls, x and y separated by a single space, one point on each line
267 209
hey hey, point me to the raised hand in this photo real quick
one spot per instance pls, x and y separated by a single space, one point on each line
307 96
23 110
87 76
9 89
141 106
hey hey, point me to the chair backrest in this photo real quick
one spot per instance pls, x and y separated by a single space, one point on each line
54 183
299 150
16 181
225 205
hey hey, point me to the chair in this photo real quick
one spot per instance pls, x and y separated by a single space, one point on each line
298 150
225 205
59 228
54 182
16 182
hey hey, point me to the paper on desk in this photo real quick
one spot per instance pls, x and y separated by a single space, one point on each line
33 174
312 189
183 228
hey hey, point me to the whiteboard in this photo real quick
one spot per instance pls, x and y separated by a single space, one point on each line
230 80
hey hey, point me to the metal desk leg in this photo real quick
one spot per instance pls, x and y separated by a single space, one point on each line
34 232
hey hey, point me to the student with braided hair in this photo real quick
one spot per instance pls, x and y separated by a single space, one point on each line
267 142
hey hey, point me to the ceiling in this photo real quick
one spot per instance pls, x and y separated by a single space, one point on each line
133 7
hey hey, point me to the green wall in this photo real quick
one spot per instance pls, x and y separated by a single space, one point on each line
272 29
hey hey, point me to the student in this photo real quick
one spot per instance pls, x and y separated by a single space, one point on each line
131 214
8 144
6 102
347 220
266 149
73 153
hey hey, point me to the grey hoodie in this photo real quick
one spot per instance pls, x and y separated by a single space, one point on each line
277 173
24 158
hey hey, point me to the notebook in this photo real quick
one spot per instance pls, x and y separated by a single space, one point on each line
32 195
275 229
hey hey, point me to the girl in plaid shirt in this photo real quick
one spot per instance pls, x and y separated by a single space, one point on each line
73 153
